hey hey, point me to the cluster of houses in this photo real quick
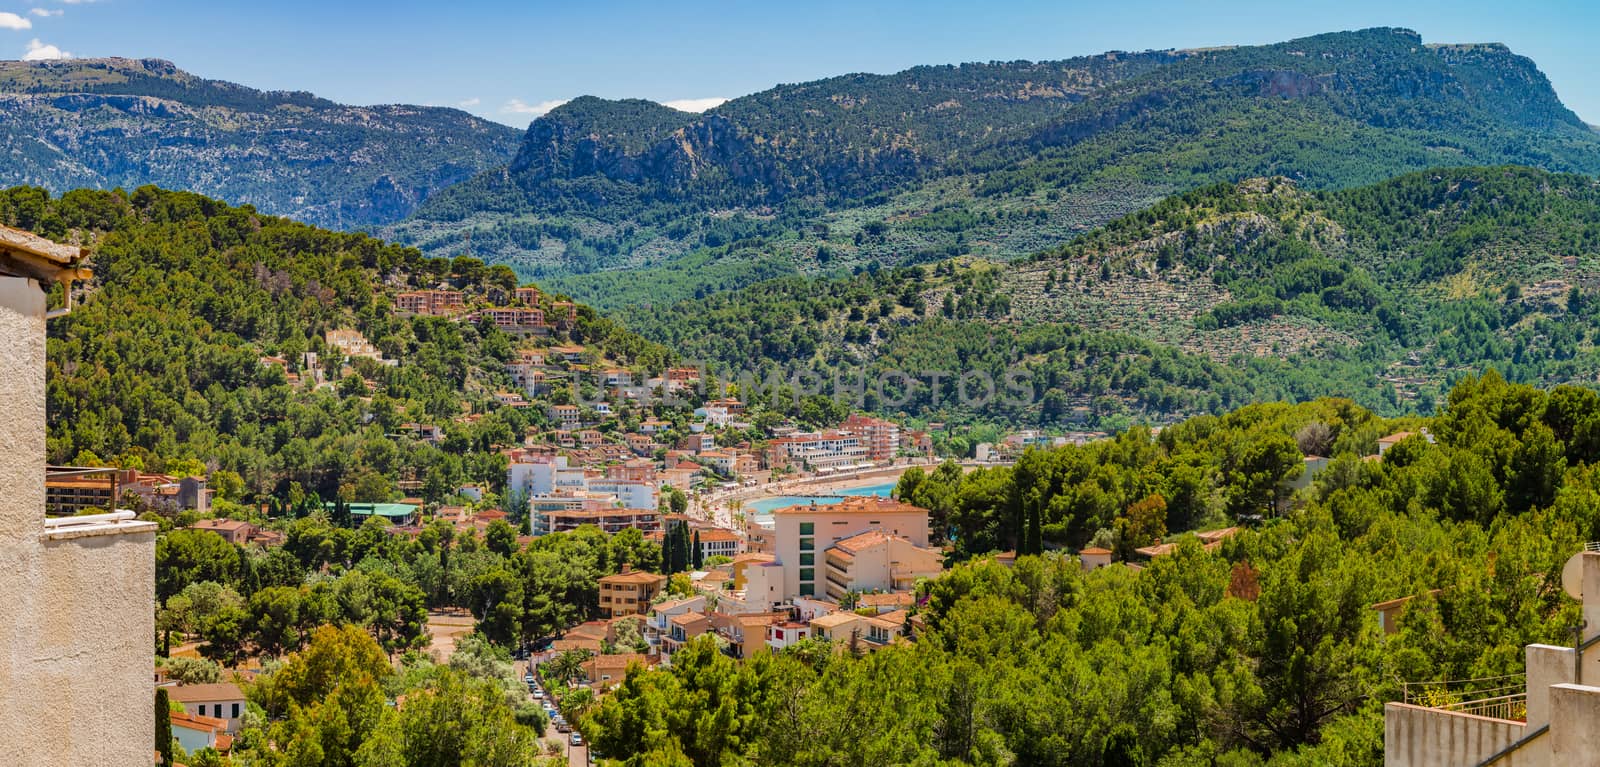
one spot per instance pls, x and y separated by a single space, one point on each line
838 572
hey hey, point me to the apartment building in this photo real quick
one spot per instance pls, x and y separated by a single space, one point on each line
70 490
512 319
880 438
878 561
432 303
802 534
568 416
527 296
821 452
629 592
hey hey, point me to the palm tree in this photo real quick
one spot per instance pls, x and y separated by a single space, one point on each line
566 665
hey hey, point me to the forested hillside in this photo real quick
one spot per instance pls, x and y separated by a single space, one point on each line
1229 294
1263 650
186 355
997 160
108 123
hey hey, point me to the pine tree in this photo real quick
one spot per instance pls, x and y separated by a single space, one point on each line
699 557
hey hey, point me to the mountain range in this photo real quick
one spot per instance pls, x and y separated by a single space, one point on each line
627 202
106 123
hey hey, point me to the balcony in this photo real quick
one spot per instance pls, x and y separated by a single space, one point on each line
1499 697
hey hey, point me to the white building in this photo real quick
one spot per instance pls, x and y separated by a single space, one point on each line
803 533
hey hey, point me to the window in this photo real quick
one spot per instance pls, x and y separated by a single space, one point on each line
807 544
808 528
808 574
235 711
808 589
808 559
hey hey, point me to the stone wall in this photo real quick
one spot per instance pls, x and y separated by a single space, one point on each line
76 597
1424 737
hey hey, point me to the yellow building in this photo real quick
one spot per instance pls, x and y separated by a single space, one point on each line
629 592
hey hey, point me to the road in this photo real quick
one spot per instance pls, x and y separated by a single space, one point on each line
577 756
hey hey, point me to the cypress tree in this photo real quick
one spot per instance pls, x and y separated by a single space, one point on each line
699 557
1035 533
163 726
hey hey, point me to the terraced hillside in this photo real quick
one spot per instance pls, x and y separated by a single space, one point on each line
1255 290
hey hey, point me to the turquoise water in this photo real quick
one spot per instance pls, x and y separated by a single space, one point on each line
761 510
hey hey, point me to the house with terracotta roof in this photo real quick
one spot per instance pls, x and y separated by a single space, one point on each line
232 530
787 633
629 592
886 602
197 732
220 700
603 672
1094 558
1211 540
681 628
869 631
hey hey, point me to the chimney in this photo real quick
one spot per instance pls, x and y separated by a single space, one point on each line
626 568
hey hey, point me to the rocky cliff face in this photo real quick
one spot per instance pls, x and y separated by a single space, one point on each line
123 122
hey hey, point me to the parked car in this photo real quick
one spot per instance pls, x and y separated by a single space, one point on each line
529 679
577 740
562 726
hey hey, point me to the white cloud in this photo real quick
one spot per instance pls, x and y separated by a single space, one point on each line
515 106
468 103
38 51
13 21
694 105
45 13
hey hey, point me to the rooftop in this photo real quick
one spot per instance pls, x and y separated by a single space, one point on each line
25 254
205 693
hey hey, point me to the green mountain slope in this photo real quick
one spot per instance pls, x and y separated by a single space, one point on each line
189 348
628 202
109 123
1382 293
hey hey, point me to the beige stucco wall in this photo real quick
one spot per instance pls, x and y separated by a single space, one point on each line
1414 736
1574 738
76 605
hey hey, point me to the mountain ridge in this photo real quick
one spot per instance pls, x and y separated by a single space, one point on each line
119 122
1009 158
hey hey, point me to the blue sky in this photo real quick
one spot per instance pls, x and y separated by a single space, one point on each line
508 60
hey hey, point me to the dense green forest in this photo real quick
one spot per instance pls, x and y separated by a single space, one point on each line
1264 651
627 202
331 592
1230 294
115 122
160 366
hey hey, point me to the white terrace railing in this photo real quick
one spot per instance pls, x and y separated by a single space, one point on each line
1496 697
